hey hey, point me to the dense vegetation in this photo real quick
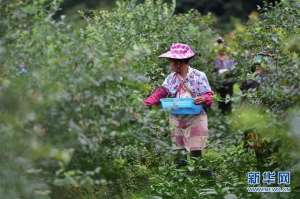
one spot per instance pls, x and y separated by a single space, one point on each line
72 120
226 11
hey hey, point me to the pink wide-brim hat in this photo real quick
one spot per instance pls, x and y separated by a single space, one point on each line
179 51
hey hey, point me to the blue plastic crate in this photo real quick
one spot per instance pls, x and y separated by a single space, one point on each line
181 106
171 103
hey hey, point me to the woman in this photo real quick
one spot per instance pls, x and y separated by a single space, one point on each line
190 132
224 67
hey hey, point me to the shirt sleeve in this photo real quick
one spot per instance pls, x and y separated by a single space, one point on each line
168 84
208 98
207 92
205 84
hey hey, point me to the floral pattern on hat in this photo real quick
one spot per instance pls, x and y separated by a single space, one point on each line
179 51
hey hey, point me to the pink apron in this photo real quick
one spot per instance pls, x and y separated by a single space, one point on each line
188 132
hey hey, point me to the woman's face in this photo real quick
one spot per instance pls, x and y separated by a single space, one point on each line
175 65
222 56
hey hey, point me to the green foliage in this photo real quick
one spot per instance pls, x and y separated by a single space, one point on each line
82 93
193 181
249 117
274 31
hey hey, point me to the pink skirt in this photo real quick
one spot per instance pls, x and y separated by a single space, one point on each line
189 132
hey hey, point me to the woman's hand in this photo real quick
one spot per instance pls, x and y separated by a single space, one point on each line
199 100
